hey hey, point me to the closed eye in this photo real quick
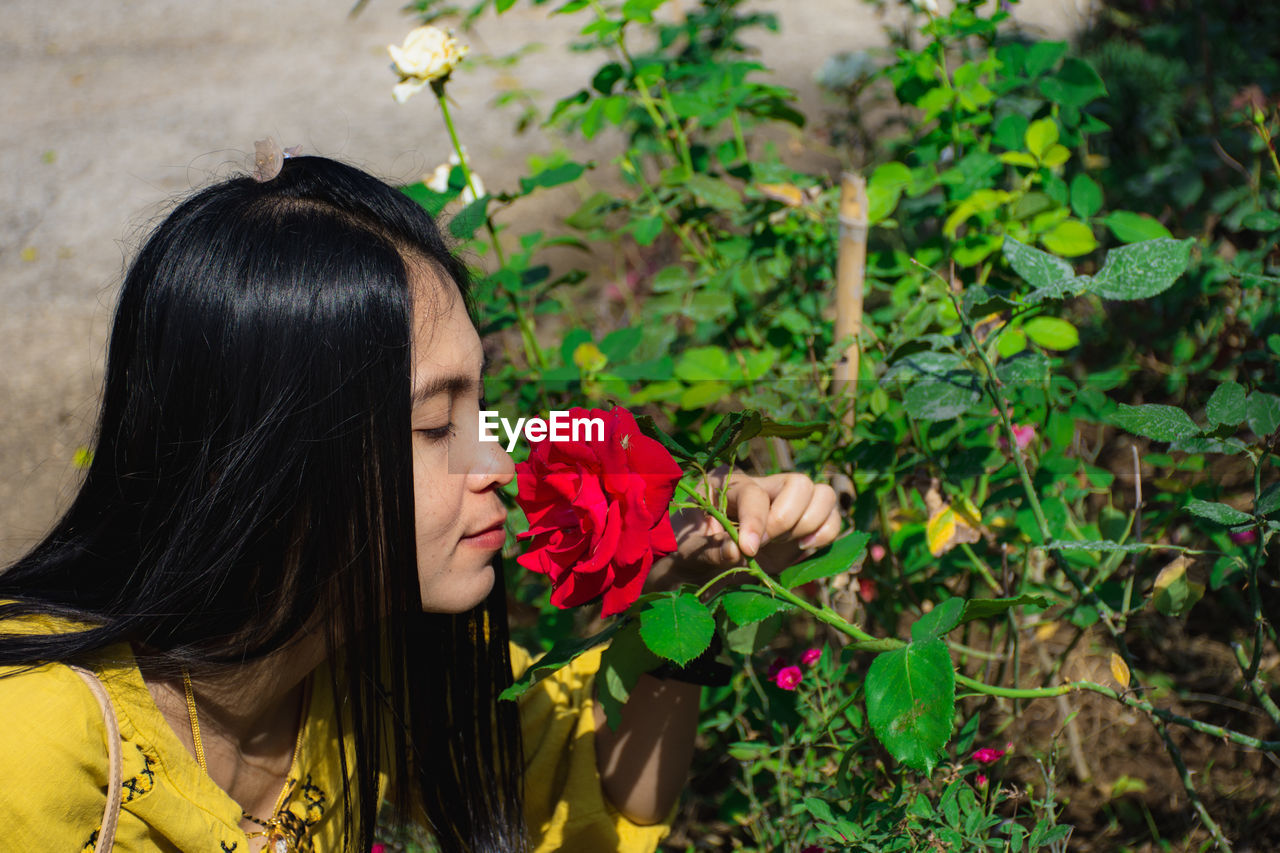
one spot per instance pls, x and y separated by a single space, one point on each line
441 433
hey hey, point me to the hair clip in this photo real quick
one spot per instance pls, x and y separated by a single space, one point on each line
268 158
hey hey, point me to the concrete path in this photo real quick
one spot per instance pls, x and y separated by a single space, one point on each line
111 110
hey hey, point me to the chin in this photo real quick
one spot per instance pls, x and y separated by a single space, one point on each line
452 594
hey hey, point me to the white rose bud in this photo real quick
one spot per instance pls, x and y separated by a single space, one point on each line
428 53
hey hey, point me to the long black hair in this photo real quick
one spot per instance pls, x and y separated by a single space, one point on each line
251 473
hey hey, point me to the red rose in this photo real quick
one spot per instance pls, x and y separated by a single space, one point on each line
598 511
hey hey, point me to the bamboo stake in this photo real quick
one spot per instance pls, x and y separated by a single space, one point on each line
851 266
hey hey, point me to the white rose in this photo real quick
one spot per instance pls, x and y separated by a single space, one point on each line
439 180
428 53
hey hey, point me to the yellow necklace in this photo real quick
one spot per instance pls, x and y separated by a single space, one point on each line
284 831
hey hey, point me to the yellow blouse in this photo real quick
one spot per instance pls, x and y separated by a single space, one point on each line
53 763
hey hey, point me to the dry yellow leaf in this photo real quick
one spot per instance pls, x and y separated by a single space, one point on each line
948 525
1119 670
1046 630
788 194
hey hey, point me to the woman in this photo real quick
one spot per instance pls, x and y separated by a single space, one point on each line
283 612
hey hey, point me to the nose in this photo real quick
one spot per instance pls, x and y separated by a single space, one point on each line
492 467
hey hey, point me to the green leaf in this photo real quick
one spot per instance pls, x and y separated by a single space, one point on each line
884 190
650 428
911 694
646 229
560 654
1141 270
753 637
1132 227
938 621
1052 333
838 557
1218 512
1042 134
552 177
1227 404
677 627
619 344
985 608
731 430
1263 413
704 363
1086 196
745 607
464 224
1029 368
1155 421
1043 55
621 666
430 200
1074 85
1269 500
714 192
1070 239
1036 268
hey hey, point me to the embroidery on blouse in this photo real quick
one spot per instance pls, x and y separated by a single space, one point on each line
143 782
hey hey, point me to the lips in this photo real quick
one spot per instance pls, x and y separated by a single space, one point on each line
492 527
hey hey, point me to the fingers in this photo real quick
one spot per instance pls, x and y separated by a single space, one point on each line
782 507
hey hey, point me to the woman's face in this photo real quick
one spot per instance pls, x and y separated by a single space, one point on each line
459 520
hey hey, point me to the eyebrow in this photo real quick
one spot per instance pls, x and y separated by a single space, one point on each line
454 385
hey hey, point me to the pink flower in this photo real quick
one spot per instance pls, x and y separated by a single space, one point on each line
788 678
1023 434
988 755
1244 537
982 781
877 552
378 848
867 589
775 668
813 848
811 656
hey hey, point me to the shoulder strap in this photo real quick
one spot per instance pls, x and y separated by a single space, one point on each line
107 835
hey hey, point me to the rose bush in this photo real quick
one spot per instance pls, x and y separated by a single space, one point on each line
598 511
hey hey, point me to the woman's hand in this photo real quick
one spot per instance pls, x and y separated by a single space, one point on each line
780 519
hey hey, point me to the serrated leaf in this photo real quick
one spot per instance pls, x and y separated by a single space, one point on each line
1218 512
464 225
1269 500
938 621
985 608
911 700
560 655
1226 404
1262 411
745 607
1174 593
621 666
650 428
1141 270
1027 368
714 192
1155 421
677 627
1038 269
837 557
1052 333
556 175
